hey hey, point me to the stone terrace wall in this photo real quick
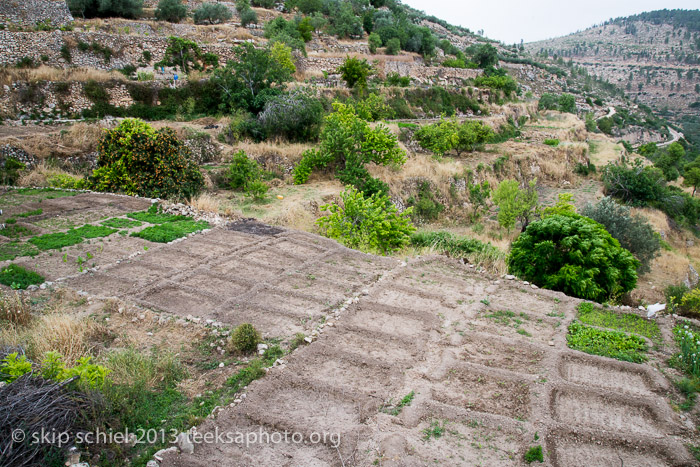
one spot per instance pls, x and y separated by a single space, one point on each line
415 69
127 49
29 12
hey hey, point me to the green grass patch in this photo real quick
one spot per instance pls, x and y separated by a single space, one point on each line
121 223
457 246
408 125
35 212
552 142
15 231
627 322
169 231
93 231
155 217
18 277
613 344
12 250
56 241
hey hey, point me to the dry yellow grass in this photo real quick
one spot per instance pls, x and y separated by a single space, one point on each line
290 151
83 136
206 202
45 73
42 175
58 332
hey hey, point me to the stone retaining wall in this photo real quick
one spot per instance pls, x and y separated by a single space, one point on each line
127 49
27 13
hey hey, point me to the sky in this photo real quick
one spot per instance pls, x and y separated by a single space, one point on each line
511 20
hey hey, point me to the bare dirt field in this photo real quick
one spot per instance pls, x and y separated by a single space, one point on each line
419 362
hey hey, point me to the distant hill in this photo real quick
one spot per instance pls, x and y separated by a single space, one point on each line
654 57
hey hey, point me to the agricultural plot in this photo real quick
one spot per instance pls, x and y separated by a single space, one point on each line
424 362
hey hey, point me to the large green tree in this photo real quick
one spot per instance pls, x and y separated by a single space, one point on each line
253 77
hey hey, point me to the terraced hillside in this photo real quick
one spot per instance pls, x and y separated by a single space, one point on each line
410 363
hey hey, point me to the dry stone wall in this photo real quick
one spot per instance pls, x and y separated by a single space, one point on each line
127 49
415 69
27 13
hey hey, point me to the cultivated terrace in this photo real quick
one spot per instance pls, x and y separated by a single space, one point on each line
344 233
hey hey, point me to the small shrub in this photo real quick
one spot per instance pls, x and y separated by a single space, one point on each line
674 298
18 277
690 303
534 454
633 232
355 72
256 189
370 223
14 366
552 142
245 338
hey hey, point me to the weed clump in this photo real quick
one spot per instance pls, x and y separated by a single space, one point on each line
534 454
245 338
18 277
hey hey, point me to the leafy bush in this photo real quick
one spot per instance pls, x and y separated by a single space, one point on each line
426 207
393 46
613 344
13 366
186 55
504 83
633 232
296 116
245 338
248 16
375 41
242 170
18 277
138 160
395 79
370 223
515 203
348 143
563 102
373 108
171 10
212 13
448 135
646 186
674 298
575 255
355 72
246 174
690 302
10 171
